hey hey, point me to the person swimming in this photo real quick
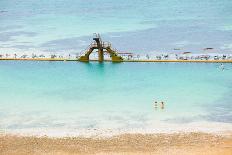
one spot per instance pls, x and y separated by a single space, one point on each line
222 67
156 105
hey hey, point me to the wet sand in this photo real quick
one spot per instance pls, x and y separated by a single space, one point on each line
128 144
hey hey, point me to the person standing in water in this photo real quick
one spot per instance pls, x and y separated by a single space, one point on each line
162 105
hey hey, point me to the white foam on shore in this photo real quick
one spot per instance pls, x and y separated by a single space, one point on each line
162 128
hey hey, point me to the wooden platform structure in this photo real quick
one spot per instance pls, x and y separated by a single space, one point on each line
101 47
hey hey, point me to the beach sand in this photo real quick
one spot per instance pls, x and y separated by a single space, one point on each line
128 144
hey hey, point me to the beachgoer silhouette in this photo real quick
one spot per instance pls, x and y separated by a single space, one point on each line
156 105
162 105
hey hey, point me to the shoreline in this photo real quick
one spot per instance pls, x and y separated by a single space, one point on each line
63 59
216 128
127 144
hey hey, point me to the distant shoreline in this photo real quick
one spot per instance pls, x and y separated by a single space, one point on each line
63 59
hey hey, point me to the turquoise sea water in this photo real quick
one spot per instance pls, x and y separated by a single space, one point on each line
73 97
160 25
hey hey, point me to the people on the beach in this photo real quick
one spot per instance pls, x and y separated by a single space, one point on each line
131 56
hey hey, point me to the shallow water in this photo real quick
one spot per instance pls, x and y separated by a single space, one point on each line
73 98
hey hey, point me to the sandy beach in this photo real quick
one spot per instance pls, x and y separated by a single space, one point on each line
128 144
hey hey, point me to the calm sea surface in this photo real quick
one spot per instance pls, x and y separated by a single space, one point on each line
74 97
131 25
